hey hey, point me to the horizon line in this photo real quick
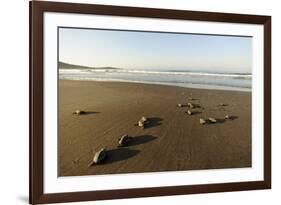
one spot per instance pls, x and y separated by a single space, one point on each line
166 70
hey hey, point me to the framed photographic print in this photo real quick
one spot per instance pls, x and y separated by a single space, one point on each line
138 102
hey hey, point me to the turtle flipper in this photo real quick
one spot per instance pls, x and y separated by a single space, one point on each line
91 164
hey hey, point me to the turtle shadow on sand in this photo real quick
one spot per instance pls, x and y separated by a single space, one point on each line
119 154
220 120
233 117
196 112
192 99
223 120
142 139
222 105
153 122
89 113
182 105
217 121
196 105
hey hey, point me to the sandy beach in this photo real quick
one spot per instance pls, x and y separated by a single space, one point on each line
172 140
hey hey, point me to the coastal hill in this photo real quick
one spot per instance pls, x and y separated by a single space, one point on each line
63 65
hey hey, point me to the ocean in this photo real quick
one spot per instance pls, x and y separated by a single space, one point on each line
202 80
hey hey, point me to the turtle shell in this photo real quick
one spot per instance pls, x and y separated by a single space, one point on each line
100 156
124 140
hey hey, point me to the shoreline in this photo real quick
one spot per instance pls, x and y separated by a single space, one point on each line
181 85
173 141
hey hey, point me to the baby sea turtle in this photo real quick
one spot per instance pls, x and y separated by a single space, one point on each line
229 117
202 121
180 105
143 122
190 105
144 119
78 112
124 140
189 112
99 157
212 120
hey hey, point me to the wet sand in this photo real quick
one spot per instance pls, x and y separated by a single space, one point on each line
172 140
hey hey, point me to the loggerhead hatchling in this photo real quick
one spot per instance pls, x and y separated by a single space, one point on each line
99 157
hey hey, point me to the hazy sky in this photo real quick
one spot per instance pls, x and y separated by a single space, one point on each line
150 50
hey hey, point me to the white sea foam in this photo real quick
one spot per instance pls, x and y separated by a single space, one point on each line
222 81
232 75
